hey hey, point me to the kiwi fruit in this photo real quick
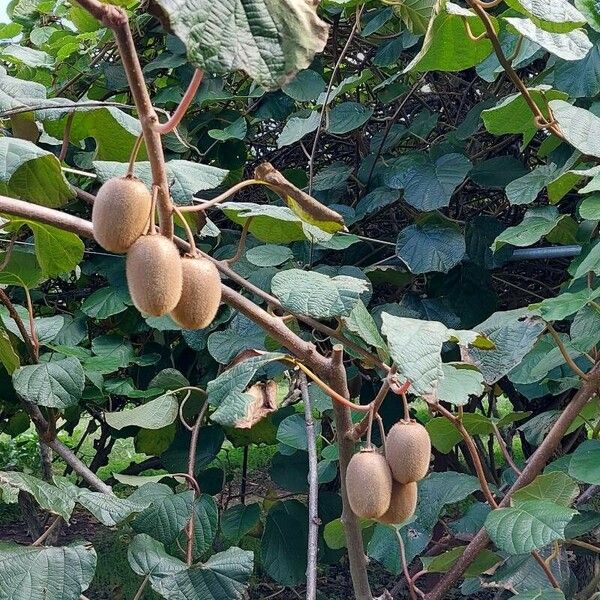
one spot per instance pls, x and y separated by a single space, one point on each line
402 504
120 213
369 484
154 274
408 451
200 295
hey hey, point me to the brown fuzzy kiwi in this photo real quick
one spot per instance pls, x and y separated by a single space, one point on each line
403 503
369 484
200 296
408 451
154 274
120 213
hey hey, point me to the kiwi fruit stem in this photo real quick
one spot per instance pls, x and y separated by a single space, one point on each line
406 409
133 155
188 232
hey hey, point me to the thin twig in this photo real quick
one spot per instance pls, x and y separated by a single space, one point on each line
504 448
313 494
565 352
57 521
184 104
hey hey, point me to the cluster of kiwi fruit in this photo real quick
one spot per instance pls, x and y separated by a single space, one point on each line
383 486
160 281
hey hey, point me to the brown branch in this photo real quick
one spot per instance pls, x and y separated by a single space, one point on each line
351 523
565 353
175 119
56 523
535 465
14 315
116 19
504 448
313 494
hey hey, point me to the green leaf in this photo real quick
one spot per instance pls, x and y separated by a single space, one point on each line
235 131
292 432
555 487
590 207
272 224
416 346
224 576
446 46
573 45
157 413
514 334
106 302
305 87
205 524
557 16
513 115
186 178
536 223
48 496
317 295
283 544
361 323
51 573
239 520
444 436
347 116
459 382
589 8
585 462
430 247
8 356
415 14
273 40
484 561
30 172
242 334
528 526
22 269
296 127
427 184
57 251
147 557
109 510
540 594
226 392
524 190
580 127
578 77
565 305
57 384
269 255
115 131
166 517
439 489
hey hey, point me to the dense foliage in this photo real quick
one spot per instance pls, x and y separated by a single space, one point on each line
451 138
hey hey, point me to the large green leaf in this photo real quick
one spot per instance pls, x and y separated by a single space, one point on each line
444 436
317 295
57 251
186 178
428 247
347 116
271 223
585 462
57 384
157 413
227 394
415 13
166 517
554 487
283 544
109 510
446 46
224 576
514 333
292 432
8 355
239 520
557 16
564 305
513 115
427 184
459 382
297 126
48 496
442 563
51 573
114 131
536 223
273 38
31 173
529 525
590 10
580 127
147 557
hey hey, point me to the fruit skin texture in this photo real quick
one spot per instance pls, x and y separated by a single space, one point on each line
369 484
403 503
154 275
408 451
120 213
200 296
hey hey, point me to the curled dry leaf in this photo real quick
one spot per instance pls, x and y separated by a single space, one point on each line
305 206
264 394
